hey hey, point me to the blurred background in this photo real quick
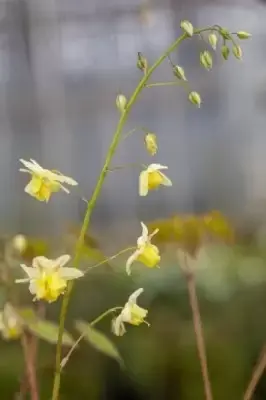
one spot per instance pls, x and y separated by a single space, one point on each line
62 64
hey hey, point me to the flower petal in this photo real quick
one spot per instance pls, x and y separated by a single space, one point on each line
62 260
25 280
133 298
41 262
118 327
31 272
156 167
166 181
70 273
131 259
143 183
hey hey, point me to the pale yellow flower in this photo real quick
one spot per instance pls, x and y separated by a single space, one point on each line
131 314
146 252
48 278
43 181
151 143
10 325
151 178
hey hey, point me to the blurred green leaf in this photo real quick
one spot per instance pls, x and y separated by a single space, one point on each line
47 331
99 341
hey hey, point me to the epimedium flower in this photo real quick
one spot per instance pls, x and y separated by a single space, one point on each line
48 278
10 324
43 181
146 252
151 178
131 314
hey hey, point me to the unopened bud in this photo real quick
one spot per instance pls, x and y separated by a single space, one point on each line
179 72
195 98
19 243
206 60
187 27
213 40
225 52
142 63
243 35
121 102
237 51
151 143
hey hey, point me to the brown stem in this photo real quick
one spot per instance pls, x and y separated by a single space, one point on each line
30 367
256 375
193 299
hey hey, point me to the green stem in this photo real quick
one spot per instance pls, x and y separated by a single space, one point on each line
94 322
106 260
163 84
92 202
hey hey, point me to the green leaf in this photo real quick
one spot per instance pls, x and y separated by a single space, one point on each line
47 331
99 341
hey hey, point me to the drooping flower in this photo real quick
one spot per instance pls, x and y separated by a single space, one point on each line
131 314
10 325
43 181
146 252
152 178
48 278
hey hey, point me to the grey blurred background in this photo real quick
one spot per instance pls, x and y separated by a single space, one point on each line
62 64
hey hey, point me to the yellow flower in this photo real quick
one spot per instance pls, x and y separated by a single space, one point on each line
48 278
152 178
10 325
151 143
146 253
43 181
131 314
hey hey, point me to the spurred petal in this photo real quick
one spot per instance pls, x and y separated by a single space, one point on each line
143 183
62 260
131 259
70 273
133 298
118 327
31 272
166 181
156 167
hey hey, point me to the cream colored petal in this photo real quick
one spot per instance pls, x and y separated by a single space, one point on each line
32 166
32 288
65 179
25 170
118 327
41 262
143 183
126 313
133 298
131 259
156 167
166 181
25 280
31 272
62 260
145 231
70 273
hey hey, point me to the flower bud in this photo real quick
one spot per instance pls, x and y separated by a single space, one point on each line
243 35
206 60
187 27
213 40
179 72
121 102
142 63
237 51
151 143
19 243
225 52
194 98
